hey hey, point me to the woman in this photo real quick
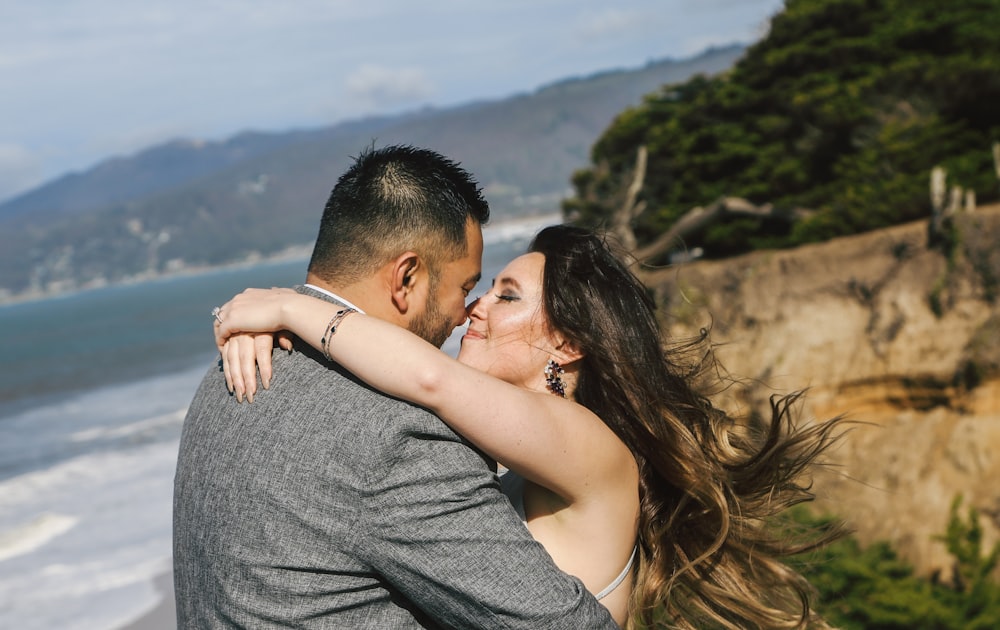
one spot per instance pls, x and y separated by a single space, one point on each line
632 480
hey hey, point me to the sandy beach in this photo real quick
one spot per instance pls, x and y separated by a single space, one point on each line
164 616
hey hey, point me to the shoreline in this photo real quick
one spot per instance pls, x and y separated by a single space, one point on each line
163 616
290 254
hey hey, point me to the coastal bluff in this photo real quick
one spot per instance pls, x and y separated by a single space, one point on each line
896 331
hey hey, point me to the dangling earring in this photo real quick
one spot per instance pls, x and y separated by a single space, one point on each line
553 371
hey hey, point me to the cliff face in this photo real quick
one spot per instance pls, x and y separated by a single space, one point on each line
898 335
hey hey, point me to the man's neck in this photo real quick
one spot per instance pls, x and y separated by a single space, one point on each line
364 295
335 295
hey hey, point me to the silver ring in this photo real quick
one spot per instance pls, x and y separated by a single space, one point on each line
216 314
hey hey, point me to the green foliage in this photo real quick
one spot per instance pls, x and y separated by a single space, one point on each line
871 588
843 108
975 596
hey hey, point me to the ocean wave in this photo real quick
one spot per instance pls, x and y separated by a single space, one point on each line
34 534
88 596
94 569
142 426
517 228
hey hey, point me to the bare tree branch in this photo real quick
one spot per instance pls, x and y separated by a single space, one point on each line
698 218
694 220
621 220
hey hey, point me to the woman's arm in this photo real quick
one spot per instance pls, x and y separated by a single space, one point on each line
546 439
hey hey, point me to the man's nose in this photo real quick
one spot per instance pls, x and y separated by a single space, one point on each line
471 309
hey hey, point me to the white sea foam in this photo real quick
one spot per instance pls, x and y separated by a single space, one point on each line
517 228
34 534
135 428
100 534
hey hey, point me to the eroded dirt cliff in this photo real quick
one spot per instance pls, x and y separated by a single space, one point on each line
899 334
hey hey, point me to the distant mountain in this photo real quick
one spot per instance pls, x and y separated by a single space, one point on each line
153 170
189 204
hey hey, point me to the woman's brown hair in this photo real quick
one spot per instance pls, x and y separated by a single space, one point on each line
709 485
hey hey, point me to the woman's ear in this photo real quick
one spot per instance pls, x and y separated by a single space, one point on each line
565 351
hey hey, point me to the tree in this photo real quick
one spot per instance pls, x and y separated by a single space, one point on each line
844 108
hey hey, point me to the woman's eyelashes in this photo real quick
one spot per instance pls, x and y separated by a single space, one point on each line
506 297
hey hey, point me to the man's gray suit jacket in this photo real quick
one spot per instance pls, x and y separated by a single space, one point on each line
326 504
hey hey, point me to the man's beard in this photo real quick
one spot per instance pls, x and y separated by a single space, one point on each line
431 325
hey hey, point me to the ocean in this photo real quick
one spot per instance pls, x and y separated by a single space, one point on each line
93 394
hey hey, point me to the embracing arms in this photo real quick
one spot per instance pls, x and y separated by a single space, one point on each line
553 442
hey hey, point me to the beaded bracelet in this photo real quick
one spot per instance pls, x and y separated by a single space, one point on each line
331 330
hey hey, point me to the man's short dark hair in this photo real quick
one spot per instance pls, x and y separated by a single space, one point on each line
391 200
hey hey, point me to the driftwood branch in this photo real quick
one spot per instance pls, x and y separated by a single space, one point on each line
631 207
698 218
694 220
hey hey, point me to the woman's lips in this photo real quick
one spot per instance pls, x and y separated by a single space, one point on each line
473 334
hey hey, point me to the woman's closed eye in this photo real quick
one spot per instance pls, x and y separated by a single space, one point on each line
506 297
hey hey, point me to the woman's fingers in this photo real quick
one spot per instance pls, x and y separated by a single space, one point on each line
227 366
248 364
263 344
243 353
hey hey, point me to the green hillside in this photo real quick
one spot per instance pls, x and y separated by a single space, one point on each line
844 108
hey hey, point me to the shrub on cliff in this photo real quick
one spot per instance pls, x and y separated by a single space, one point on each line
871 588
843 108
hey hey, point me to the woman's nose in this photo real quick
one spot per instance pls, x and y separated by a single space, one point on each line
472 310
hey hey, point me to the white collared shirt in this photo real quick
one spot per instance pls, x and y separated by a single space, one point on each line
334 296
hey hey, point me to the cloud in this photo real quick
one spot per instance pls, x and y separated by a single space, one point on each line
104 77
383 87
607 23
19 170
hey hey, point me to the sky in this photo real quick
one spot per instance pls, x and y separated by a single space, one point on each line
85 80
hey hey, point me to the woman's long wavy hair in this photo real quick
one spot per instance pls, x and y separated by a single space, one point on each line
709 487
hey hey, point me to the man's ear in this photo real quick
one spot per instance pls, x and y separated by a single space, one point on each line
407 275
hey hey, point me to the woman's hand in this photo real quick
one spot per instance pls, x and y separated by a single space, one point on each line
242 355
253 311
245 337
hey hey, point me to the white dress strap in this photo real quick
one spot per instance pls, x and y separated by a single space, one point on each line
512 485
621 576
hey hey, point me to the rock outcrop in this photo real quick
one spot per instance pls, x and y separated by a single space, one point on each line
898 333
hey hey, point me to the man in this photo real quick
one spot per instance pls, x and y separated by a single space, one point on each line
325 504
